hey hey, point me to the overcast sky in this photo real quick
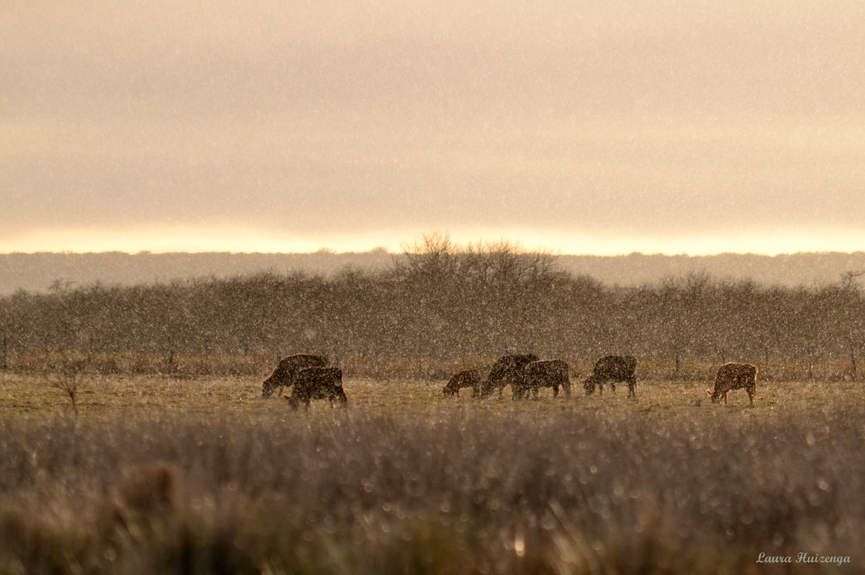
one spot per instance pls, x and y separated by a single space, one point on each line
584 127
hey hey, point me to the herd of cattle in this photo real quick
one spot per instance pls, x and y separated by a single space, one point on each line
312 377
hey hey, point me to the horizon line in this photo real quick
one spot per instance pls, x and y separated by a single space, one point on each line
240 239
328 251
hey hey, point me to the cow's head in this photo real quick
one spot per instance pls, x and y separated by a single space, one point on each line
589 386
716 396
340 397
452 388
268 386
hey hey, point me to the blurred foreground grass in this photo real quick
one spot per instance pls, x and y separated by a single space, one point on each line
160 475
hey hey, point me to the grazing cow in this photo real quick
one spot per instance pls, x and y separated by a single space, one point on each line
317 383
611 369
508 369
286 371
468 378
547 373
732 376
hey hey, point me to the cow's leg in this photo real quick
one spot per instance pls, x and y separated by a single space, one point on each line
632 384
555 390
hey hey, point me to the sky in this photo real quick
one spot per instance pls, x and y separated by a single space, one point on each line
573 126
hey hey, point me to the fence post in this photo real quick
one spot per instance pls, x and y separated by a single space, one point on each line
5 349
677 359
810 363
852 362
419 360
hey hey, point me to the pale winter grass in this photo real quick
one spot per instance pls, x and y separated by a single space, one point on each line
202 476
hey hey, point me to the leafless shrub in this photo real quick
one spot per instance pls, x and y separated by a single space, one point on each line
67 376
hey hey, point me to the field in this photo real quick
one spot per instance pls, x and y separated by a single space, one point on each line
199 475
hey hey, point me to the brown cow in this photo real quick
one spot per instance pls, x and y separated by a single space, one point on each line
468 378
317 383
547 373
508 369
611 369
286 371
732 376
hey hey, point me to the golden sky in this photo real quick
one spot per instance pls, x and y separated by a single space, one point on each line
575 126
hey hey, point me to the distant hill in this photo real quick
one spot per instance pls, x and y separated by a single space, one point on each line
36 272
792 270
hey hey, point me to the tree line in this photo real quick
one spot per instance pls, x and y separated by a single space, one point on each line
443 302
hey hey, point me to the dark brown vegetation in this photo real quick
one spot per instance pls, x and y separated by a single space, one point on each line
435 308
317 383
210 479
732 376
462 379
287 369
612 369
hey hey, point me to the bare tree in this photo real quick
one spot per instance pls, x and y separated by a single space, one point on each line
68 379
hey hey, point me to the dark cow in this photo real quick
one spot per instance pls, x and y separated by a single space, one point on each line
611 369
468 378
286 371
547 373
732 376
317 383
508 369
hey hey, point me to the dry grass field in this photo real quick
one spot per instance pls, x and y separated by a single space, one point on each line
105 397
158 475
